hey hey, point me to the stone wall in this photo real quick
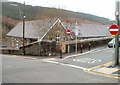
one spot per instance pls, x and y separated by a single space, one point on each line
36 49
85 45
45 49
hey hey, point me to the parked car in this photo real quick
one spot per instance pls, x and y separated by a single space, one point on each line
110 44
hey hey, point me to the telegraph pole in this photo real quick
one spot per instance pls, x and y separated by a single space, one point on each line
117 36
24 31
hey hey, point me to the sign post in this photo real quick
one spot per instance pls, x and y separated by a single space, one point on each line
114 30
117 18
76 34
68 34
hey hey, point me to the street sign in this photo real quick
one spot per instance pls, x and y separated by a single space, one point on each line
114 29
68 32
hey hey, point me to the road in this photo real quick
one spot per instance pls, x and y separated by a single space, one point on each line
69 70
92 59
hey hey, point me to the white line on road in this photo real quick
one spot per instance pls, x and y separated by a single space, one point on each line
52 62
74 66
87 60
29 58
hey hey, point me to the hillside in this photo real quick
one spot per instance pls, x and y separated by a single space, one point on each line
38 12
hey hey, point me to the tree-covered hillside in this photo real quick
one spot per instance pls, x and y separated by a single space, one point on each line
37 12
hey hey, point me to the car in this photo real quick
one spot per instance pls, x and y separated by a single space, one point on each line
110 44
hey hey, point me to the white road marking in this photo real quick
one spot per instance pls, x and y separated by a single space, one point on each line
70 65
9 66
28 58
52 62
87 60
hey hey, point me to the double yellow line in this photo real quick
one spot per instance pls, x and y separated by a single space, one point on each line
101 74
31 59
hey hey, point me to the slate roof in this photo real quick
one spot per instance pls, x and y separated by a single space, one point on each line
33 29
37 29
87 30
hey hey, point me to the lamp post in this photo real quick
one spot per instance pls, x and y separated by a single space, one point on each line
76 34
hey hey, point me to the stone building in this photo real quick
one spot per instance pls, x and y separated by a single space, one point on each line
48 33
37 30
47 37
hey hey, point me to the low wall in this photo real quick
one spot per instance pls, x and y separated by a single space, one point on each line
86 44
32 49
35 48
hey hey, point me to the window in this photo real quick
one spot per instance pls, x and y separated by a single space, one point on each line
57 38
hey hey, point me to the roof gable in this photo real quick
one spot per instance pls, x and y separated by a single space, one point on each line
33 29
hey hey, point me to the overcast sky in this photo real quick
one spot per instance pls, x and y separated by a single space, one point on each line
102 8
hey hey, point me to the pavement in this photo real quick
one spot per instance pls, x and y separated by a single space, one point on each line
108 70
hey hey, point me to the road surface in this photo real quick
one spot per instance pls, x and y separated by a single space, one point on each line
71 70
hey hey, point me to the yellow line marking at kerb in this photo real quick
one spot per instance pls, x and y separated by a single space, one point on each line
14 56
31 59
10 56
100 66
101 74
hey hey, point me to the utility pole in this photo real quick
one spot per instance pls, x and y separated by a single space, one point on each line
24 30
117 36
